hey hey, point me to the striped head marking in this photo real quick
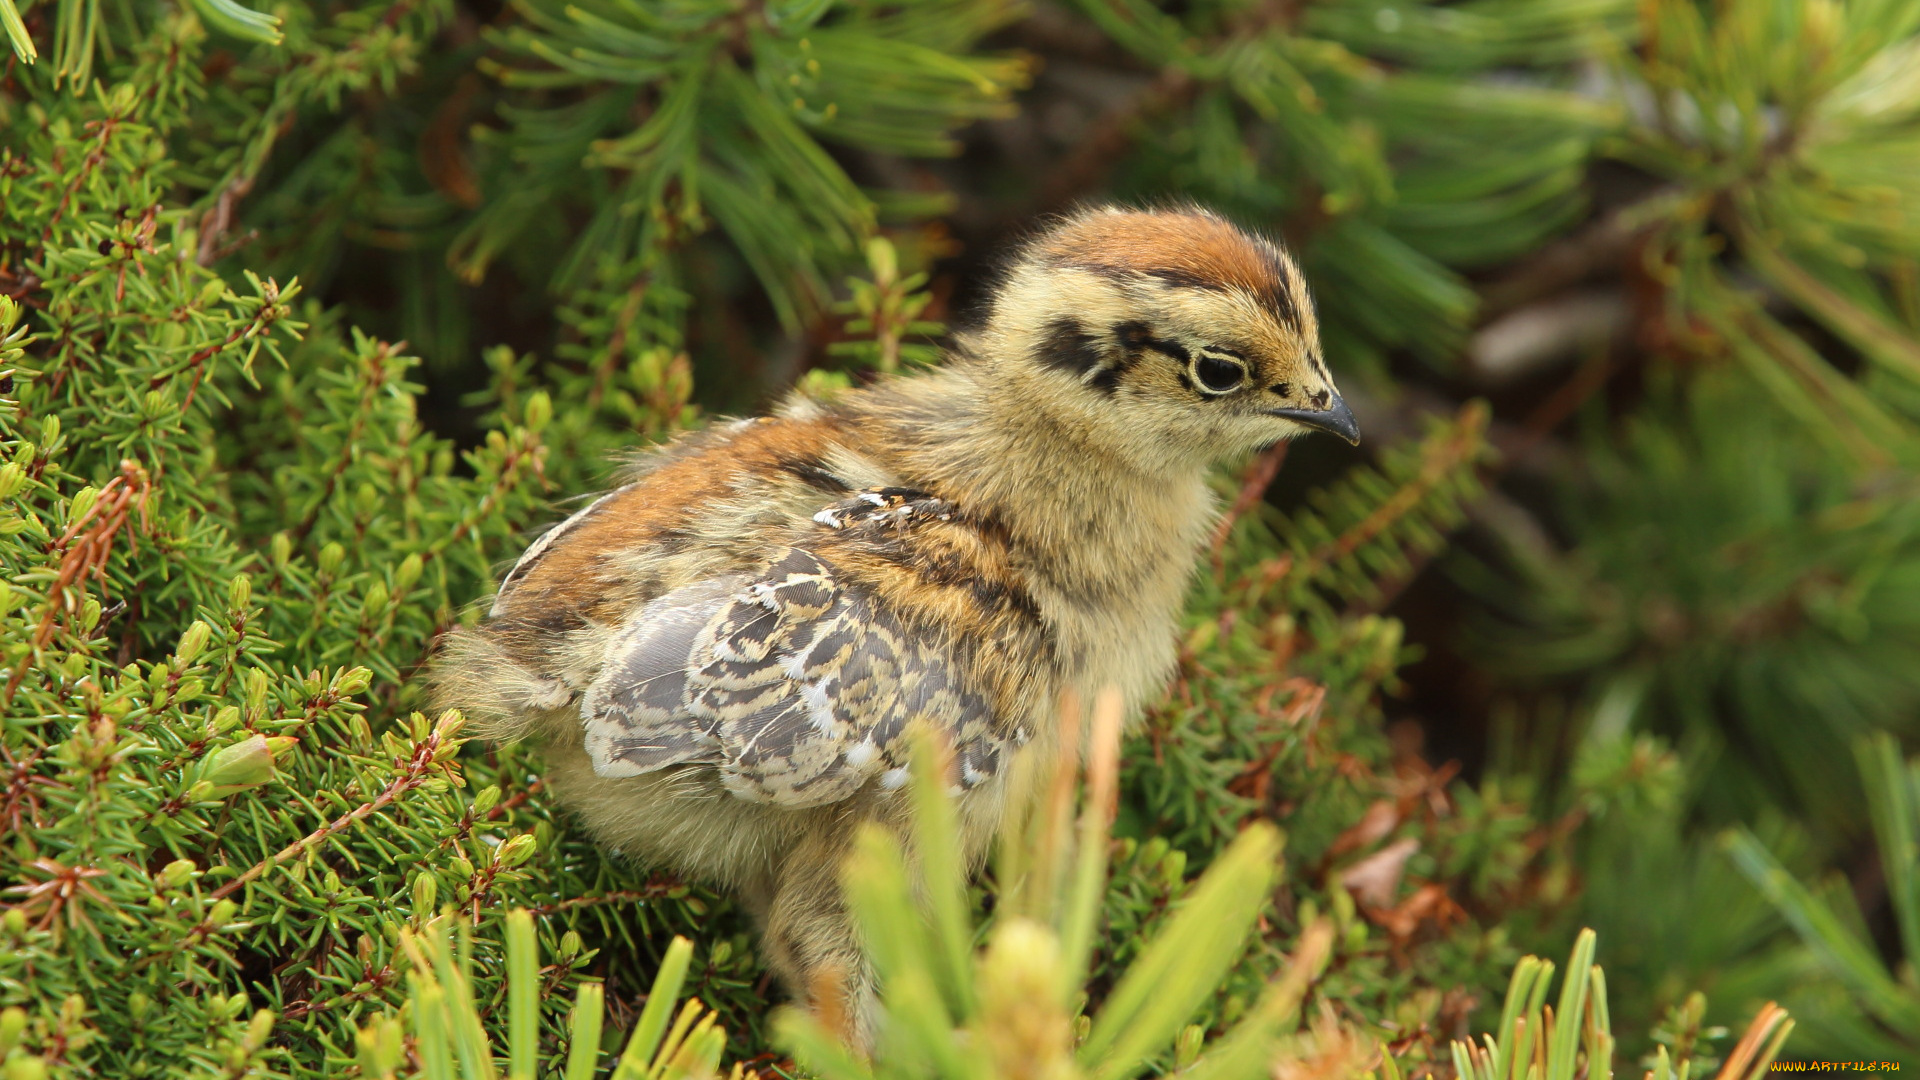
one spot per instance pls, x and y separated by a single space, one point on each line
1172 325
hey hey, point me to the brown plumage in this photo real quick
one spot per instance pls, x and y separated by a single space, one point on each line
719 658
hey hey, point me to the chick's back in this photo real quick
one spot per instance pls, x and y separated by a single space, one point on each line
760 611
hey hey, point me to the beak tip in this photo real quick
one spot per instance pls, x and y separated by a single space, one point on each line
1335 419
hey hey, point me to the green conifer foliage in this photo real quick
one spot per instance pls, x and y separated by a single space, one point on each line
1745 557
228 543
310 317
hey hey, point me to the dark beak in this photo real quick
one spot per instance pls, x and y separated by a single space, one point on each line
1336 419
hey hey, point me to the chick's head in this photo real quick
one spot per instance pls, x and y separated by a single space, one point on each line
1168 335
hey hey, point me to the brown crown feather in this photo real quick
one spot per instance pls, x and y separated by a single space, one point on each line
1182 247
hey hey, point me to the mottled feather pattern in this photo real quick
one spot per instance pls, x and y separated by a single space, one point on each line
881 505
719 659
795 686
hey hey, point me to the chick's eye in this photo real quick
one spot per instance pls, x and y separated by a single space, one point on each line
1217 375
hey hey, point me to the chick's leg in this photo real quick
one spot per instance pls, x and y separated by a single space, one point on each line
810 940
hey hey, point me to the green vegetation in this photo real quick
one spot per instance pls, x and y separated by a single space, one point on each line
310 315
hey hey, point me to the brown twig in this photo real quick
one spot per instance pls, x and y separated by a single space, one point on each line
1569 260
655 889
268 313
103 130
376 380
85 548
218 219
418 769
1254 482
428 757
509 479
1440 460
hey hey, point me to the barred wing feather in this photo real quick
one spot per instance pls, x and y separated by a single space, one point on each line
795 686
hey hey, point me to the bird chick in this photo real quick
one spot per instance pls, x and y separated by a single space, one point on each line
719 658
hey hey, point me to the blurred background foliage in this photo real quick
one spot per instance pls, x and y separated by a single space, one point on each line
313 314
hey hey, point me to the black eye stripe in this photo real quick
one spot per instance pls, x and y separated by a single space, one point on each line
1138 335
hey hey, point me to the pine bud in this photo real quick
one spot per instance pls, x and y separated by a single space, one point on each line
461 866
50 430
192 642
256 691
156 404
246 764
13 1024
239 592
518 850
26 1068
14 921
331 557
882 259
407 573
137 1006
570 945
226 719
352 681
23 454
83 501
281 549
1022 1025
381 1045
177 873
1186 1048
222 913
426 888
486 800
375 603
12 479
539 411
1173 869
1202 636
258 1029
